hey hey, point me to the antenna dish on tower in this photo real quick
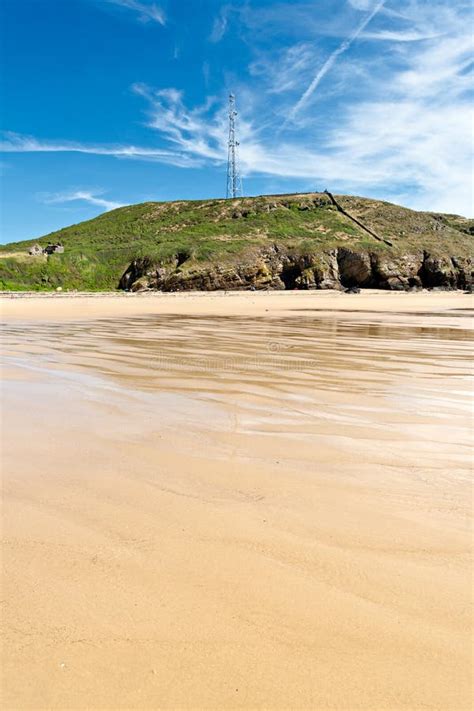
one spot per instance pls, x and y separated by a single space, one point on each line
234 181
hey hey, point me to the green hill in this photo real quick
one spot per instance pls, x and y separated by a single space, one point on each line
294 241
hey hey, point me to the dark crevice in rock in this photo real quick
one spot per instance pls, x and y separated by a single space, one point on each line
290 276
181 257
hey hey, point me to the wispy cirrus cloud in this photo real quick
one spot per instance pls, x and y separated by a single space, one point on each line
199 132
295 64
220 24
145 12
331 60
407 36
90 196
19 143
364 5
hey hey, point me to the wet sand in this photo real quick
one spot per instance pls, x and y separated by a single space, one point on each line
241 501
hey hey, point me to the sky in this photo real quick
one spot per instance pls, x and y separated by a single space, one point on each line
111 102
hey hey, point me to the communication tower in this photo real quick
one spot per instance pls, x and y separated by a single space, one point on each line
234 181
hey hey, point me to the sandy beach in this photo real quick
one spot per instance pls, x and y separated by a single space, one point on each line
237 501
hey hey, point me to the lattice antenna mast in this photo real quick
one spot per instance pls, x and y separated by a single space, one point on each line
234 181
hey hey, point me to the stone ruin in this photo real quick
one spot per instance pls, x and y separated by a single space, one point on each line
36 250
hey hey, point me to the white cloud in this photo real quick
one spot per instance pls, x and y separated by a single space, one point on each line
221 21
436 70
294 65
362 4
405 147
18 143
198 133
392 36
90 196
146 12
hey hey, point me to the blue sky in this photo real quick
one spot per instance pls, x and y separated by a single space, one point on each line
112 102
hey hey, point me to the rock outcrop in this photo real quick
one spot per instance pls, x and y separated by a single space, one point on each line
277 268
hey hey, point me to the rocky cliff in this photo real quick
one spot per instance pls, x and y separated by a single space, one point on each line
277 268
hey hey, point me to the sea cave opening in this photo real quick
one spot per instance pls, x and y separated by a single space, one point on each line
289 276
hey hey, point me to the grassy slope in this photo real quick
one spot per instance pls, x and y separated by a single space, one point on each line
98 251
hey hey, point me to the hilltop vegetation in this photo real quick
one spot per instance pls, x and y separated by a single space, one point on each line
175 245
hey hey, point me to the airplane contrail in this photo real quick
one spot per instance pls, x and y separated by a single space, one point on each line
343 47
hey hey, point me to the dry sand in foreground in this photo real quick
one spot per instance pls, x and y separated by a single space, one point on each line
241 501
47 306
